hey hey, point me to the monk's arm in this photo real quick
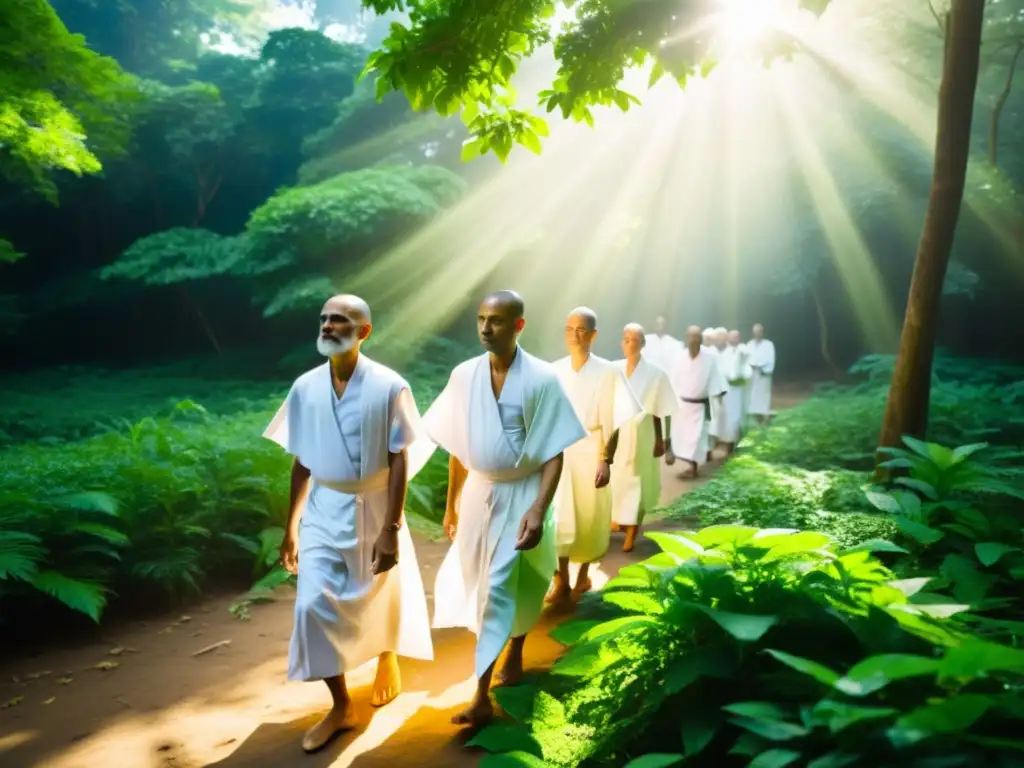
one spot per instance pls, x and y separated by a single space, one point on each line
550 473
457 475
657 428
609 449
300 478
398 476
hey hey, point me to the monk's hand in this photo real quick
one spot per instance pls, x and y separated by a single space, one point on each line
659 448
290 553
385 552
450 524
604 474
531 530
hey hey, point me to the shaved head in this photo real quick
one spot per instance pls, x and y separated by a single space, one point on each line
634 328
735 338
758 331
509 302
345 324
587 315
355 308
633 341
694 338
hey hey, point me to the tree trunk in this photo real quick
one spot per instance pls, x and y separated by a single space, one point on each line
906 411
826 355
997 107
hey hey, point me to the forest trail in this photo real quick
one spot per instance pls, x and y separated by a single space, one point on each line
141 698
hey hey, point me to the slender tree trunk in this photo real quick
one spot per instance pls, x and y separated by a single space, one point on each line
826 355
906 411
997 107
193 305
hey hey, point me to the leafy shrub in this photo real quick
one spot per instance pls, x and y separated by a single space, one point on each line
755 493
685 660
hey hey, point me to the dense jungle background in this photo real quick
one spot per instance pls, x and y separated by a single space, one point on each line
194 177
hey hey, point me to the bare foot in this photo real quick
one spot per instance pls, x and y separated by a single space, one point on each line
630 539
478 714
581 588
616 527
512 670
338 720
388 683
559 592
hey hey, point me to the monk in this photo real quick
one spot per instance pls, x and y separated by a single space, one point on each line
696 380
636 477
761 358
348 424
736 370
603 401
661 348
505 423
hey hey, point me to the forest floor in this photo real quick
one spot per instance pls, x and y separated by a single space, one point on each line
140 697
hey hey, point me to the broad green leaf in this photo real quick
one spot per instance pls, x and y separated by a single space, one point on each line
970 584
807 541
759 710
774 758
773 730
473 148
635 602
918 531
833 760
910 587
105 532
89 501
657 72
976 657
952 715
582 661
838 715
925 489
874 545
875 672
819 672
530 140
570 632
698 729
884 502
607 629
517 701
744 627
506 737
716 535
513 760
677 545
966 451
654 760
629 582
80 595
705 661
990 552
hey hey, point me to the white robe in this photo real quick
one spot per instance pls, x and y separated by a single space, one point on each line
636 474
761 358
603 401
662 350
718 426
737 372
696 382
484 584
344 615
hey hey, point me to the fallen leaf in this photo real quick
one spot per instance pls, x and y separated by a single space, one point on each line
105 665
116 651
49 700
12 702
65 680
184 619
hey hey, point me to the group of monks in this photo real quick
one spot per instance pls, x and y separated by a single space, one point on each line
544 460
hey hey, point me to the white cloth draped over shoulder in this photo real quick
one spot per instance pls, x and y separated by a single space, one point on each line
636 474
604 403
662 350
761 358
484 583
696 382
344 615
737 372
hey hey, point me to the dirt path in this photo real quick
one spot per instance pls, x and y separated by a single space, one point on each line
141 699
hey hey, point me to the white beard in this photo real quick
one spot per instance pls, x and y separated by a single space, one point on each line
330 347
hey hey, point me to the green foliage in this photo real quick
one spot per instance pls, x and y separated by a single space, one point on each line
456 56
682 659
54 92
158 505
8 253
178 255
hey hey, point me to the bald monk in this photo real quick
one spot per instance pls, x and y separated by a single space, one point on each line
505 423
736 370
696 380
603 401
761 358
636 477
348 424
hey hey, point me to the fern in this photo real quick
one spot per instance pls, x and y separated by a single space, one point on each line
20 555
88 597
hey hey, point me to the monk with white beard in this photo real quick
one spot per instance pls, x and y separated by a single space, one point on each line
505 423
348 423
761 358
603 401
696 380
636 476
735 369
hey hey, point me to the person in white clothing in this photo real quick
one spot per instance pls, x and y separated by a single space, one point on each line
761 358
660 348
349 423
719 408
505 422
734 367
697 381
636 477
604 403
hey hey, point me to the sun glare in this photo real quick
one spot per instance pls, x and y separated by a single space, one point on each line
743 21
